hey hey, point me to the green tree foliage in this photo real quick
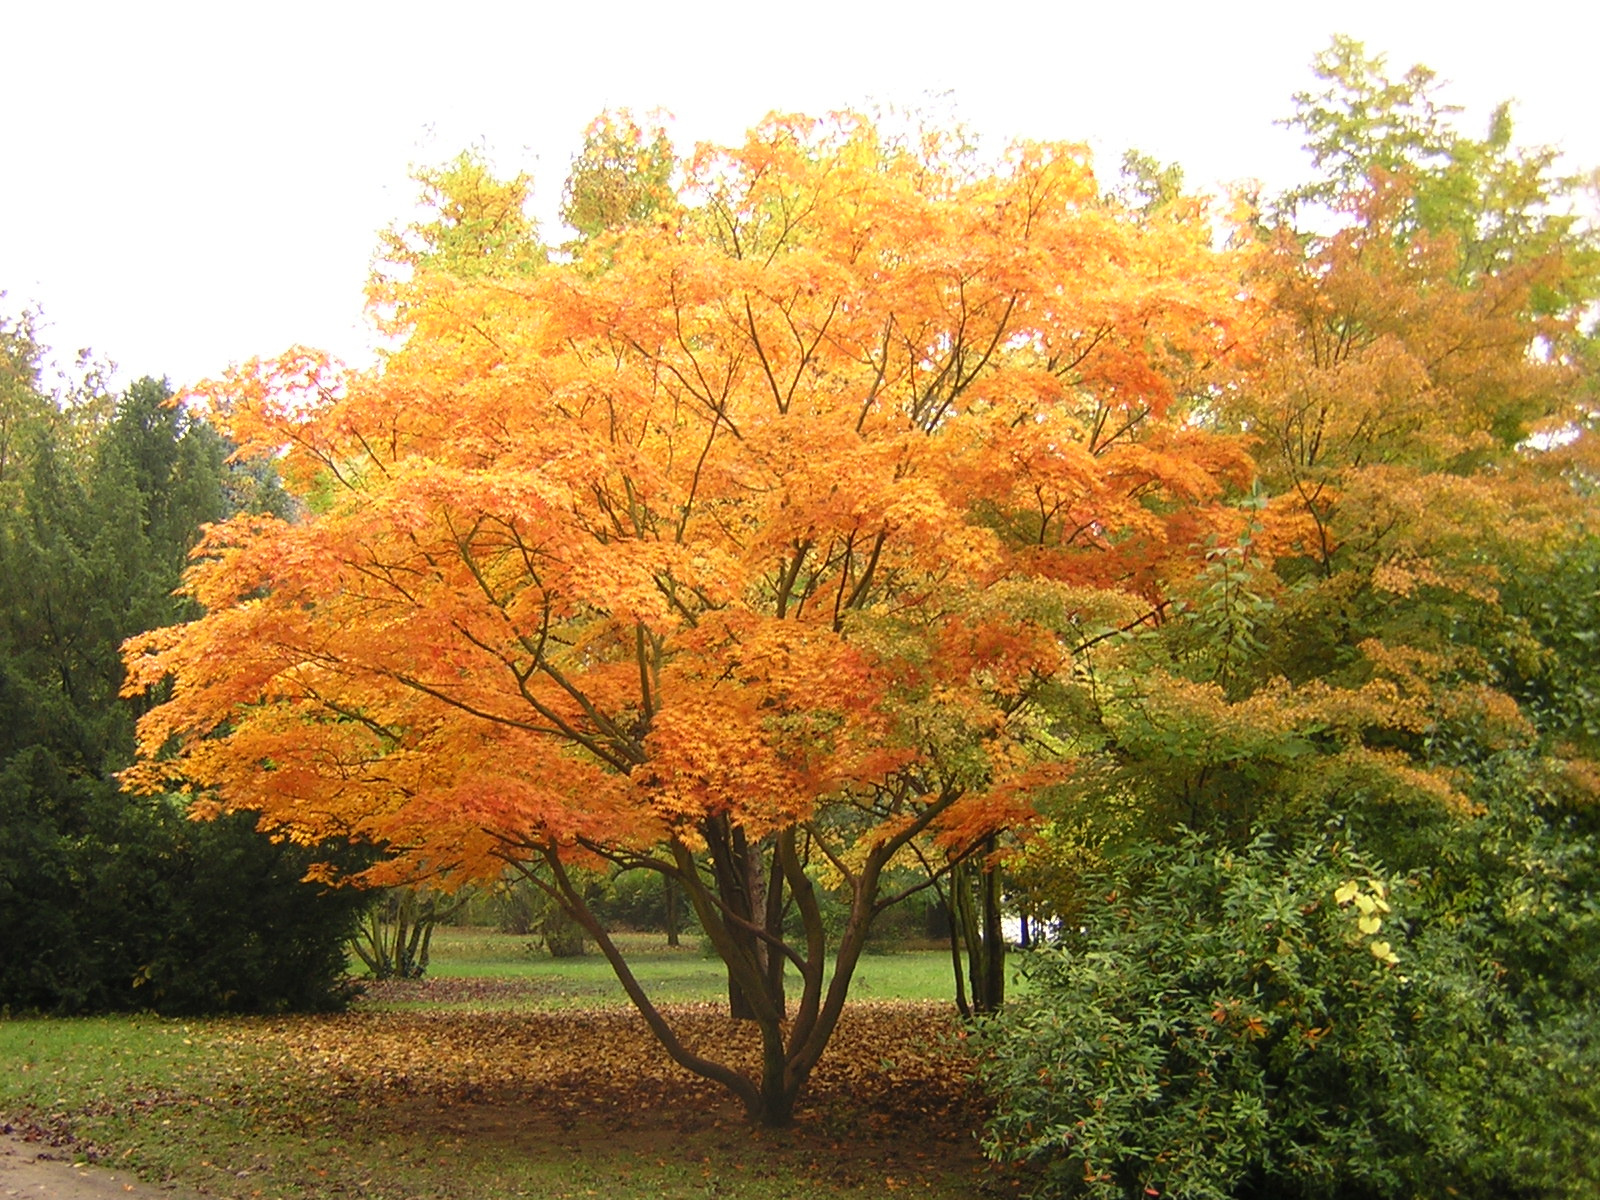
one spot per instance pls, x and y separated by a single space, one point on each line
1147 183
1393 649
470 225
623 175
112 903
24 411
1502 203
108 901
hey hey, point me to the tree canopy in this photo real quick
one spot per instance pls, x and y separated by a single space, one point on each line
751 546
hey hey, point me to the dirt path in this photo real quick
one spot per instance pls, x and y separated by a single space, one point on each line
33 1169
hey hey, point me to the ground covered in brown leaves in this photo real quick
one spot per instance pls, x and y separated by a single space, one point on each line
891 1067
893 1101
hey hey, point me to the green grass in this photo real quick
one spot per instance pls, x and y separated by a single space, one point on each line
681 975
138 1090
92 1060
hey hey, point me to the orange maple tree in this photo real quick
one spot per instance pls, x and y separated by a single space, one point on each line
745 547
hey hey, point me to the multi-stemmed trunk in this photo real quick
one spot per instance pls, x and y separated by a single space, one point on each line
752 909
742 891
975 926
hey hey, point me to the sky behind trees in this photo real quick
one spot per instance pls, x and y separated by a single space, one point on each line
192 184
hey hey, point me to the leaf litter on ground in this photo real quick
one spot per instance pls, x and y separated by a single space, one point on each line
417 1096
893 1062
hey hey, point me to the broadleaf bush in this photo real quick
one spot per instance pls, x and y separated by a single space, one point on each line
1286 1021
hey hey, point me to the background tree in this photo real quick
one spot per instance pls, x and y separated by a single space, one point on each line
108 901
395 935
974 897
1362 661
1500 203
24 411
470 226
621 176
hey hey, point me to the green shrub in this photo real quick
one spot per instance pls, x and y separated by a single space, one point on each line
1281 1022
114 902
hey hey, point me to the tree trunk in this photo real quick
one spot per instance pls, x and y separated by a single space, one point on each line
745 914
976 913
742 915
994 937
953 931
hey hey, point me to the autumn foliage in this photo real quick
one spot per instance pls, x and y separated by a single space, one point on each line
750 545
1391 656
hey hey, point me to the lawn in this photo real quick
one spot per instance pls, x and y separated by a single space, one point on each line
681 975
505 1075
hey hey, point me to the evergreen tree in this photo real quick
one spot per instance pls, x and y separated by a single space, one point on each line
108 900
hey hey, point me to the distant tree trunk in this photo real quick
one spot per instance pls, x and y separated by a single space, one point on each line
976 928
962 1006
394 938
672 910
994 936
562 936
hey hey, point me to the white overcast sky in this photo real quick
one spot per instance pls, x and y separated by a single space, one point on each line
188 185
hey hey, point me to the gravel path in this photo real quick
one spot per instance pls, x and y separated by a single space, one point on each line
32 1169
